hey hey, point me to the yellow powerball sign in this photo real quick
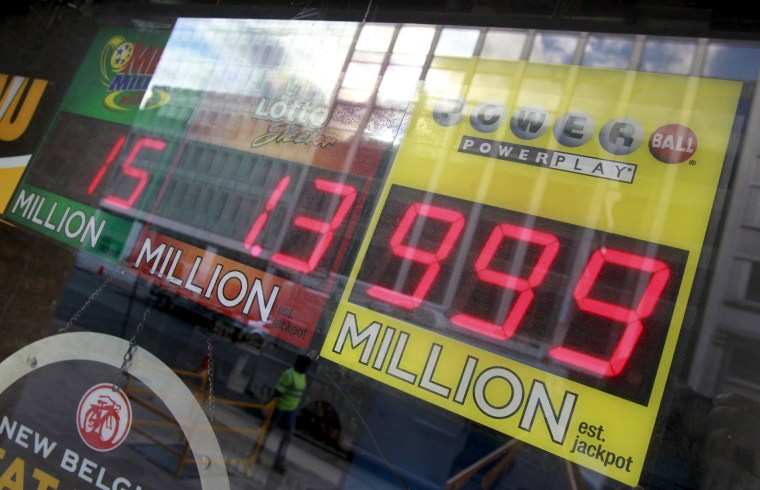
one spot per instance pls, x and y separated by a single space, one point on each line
534 248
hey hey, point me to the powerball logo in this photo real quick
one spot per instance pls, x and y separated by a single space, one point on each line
670 143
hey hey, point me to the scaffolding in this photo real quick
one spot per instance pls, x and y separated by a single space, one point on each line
197 382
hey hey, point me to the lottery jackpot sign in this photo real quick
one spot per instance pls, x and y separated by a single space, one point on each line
530 260
243 200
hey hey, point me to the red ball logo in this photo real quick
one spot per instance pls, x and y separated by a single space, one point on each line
104 417
673 143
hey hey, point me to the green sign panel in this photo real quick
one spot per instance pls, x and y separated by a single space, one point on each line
119 81
70 222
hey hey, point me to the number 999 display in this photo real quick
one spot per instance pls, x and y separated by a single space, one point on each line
589 305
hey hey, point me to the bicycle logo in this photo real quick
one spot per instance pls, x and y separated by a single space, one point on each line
104 417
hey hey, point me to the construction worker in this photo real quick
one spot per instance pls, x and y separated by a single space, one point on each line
288 392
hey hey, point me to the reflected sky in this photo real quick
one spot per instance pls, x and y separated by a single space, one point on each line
503 45
664 56
223 55
608 51
733 61
457 42
227 55
375 38
414 40
554 48
400 82
235 56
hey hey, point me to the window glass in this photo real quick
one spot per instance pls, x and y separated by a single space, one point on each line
668 56
503 44
415 40
742 362
375 38
752 293
399 82
553 48
732 60
752 206
361 75
356 255
457 42
608 51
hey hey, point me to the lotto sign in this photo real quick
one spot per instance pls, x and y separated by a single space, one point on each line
531 257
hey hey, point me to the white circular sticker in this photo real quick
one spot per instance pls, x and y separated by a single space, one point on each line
147 368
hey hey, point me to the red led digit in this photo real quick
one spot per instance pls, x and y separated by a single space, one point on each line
324 228
524 287
660 273
127 169
431 259
102 171
253 233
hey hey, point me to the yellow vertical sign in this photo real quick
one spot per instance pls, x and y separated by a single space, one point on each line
11 170
18 102
591 177
19 98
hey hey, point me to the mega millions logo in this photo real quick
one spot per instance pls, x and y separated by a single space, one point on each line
127 69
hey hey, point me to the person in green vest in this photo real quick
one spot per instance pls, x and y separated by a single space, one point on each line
288 392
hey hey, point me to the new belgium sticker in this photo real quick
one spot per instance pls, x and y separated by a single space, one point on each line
104 417
50 402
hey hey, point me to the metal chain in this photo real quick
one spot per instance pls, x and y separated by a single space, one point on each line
85 305
129 355
211 397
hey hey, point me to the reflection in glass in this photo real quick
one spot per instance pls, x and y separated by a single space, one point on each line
503 45
733 61
277 134
752 207
414 40
457 42
198 55
399 82
742 363
361 75
608 51
554 48
665 56
752 293
375 38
